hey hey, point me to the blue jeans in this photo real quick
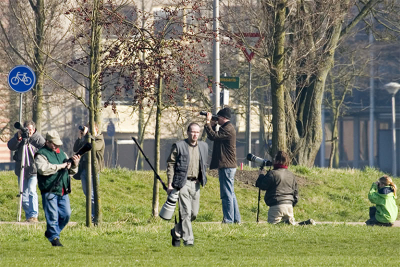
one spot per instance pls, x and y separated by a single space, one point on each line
85 189
230 206
58 211
30 197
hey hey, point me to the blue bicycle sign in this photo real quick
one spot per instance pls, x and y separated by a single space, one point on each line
21 79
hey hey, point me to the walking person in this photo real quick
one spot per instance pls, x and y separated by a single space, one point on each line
54 170
224 159
99 160
186 170
383 195
34 141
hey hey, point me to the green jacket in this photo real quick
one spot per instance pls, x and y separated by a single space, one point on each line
49 183
384 199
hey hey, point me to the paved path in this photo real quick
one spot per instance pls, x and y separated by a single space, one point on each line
396 223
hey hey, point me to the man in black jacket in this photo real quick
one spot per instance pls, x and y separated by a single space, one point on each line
29 183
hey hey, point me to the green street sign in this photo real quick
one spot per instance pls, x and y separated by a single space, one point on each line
226 82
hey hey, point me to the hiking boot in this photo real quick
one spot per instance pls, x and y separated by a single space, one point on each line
32 220
56 242
47 234
176 242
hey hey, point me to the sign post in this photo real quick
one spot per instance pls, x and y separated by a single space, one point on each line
251 38
21 79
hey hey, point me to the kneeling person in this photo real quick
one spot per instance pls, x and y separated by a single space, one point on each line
186 170
282 192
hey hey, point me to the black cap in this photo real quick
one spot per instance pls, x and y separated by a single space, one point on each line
225 112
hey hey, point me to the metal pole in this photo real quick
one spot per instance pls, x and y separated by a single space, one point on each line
371 104
21 95
394 158
216 71
248 117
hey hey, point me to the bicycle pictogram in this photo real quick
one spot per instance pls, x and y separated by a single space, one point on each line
21 77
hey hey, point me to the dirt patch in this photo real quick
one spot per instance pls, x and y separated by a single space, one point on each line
250 177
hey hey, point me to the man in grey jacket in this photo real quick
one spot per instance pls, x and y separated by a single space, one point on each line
34 141
186 170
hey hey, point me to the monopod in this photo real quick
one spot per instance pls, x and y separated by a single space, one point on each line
151 166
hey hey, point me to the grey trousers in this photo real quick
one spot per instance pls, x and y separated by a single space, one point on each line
189 203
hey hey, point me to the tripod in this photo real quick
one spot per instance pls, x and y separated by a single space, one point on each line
25 163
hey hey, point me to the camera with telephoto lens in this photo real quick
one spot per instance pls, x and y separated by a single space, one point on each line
213 118
24 130
168 209
259 161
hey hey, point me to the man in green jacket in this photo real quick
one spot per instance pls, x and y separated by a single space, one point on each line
54 170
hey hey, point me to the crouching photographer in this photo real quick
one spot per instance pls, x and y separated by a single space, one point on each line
281 191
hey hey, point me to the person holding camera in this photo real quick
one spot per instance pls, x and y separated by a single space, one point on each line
224 159
99 160
186 170
281 190
383 195
34 141
54 170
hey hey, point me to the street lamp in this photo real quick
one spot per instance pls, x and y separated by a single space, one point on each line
392 89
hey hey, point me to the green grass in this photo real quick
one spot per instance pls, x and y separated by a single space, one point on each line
130 237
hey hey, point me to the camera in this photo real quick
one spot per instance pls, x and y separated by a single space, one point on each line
259 161
168 209
82 128
24 130
213 118
87 147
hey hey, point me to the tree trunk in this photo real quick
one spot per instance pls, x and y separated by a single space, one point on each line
38 64
139 157
157 147
277 79
94 109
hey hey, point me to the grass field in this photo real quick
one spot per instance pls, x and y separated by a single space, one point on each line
129 236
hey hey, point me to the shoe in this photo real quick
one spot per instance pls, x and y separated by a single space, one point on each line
176 242
32 220
311 221
46 234
56 242
308 222
188 244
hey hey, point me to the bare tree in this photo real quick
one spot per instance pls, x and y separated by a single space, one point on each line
300 41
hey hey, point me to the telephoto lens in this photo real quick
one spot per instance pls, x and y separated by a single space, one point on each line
168 209
259 161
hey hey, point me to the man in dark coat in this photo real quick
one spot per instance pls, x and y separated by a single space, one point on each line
224 159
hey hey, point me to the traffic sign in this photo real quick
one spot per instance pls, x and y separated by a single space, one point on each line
110 129
227 82
21 79
253 40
